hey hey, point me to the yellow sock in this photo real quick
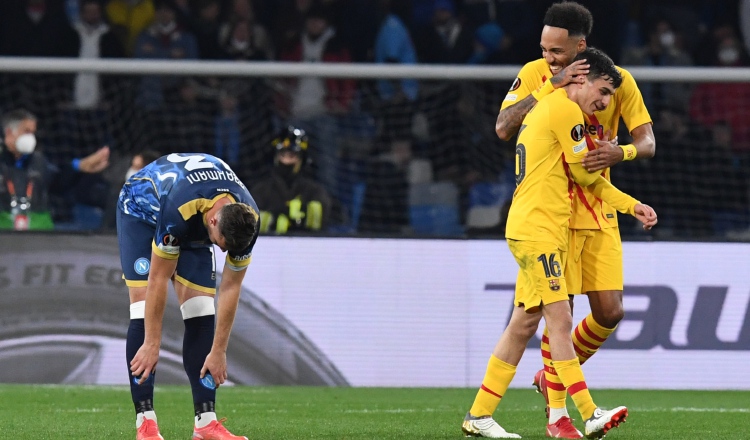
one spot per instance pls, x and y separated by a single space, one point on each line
555 389
495 384
588 336
572 376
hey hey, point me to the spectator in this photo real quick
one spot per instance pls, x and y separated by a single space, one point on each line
447 41
164 39
185 121
489 42
129 18
288 200
204 25
316 104
227 130
665 49
27 178
712 103
96 41
242 37
289 23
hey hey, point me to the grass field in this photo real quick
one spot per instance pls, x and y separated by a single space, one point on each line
88 412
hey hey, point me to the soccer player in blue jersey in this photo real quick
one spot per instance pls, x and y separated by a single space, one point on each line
169 216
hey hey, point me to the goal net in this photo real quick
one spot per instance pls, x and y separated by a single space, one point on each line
402 150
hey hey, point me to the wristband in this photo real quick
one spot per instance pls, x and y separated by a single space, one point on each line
76 163
629 152
543 91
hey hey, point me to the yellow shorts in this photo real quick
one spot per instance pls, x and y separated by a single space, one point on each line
594 260
541 277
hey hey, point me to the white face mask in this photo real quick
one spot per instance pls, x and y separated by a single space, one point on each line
667 39
26 143
130 173
729 55
240 45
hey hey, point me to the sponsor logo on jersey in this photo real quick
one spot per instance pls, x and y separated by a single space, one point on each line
595 130
208 382
577 132
516 84
142 266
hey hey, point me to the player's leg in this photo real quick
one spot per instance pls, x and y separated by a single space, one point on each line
602 280
134 239
195 285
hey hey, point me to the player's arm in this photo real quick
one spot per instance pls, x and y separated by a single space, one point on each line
228 301
511 116
635 114
159 275
603 189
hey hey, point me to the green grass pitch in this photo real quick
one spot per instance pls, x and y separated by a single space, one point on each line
91 412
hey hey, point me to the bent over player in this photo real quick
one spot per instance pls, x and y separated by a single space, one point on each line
169 216
551 145
595 256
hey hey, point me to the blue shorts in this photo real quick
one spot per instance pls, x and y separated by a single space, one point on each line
196 267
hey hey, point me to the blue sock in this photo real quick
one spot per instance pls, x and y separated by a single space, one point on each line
143 394
199 336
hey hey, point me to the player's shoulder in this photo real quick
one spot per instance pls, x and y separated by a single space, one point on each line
537 67
627 78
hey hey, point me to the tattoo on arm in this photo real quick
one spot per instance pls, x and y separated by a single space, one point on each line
512 117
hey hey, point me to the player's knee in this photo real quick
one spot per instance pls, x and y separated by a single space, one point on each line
609 317
524 330
198 306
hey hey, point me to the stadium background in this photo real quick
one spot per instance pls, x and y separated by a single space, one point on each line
414 265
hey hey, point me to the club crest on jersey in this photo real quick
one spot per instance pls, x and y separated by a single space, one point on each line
208 382
554 285
516 84
577 132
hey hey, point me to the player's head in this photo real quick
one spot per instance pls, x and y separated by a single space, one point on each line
291 150
236 224
566 27
601 82
19 127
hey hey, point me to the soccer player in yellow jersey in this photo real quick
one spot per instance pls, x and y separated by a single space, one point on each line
595 256
551 145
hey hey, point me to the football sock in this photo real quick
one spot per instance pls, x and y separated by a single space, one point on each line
142 394
556 393
203 419
556 414
144 415
572 376
196 344
588 336
495 384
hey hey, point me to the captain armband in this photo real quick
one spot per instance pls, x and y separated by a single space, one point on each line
629 152
543 91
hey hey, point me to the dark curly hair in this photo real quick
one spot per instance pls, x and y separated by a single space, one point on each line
238 224
601 66
572 16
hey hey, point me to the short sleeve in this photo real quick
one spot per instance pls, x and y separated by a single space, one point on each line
522 86
567 124
633 109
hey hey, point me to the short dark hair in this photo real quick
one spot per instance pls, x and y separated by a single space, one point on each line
238 223
572 16
600 65
12 118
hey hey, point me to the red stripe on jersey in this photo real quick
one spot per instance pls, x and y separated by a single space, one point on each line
546 354
544 78
582 198
576 387
487 390
590 333
555 386
591 145
584 342
550 370
545 339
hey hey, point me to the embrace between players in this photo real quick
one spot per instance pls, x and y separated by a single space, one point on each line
562 225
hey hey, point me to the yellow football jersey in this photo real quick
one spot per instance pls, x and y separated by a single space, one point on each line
589 212
552 136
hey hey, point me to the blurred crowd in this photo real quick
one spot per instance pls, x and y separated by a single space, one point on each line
393 156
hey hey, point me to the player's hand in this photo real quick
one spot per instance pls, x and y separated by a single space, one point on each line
216 365
96 161
646 215
144 362
607 154
574 73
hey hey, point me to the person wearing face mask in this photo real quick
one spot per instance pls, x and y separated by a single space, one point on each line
288 200
96 41
27 178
